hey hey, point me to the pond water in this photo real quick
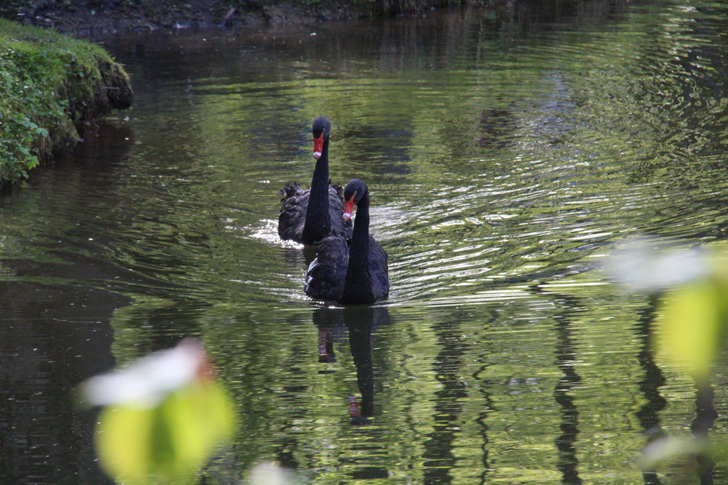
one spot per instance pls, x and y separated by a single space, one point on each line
506 155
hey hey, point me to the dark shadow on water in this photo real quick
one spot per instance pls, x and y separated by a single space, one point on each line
705 416
370 473
50 344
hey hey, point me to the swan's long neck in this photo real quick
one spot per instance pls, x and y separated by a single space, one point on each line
358 284
318 221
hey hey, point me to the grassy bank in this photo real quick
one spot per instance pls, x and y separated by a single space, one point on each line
52 88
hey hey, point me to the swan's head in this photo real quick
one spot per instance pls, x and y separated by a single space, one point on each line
321 129
353 193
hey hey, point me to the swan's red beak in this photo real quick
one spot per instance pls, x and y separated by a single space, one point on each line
348 208
318 146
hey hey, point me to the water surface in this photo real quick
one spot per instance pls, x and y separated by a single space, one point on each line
505 159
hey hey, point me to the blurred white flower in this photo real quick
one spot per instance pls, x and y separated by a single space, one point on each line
271 474
641 265
146 383
669 447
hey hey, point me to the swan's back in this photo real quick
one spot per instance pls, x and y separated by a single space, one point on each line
294 205
326 275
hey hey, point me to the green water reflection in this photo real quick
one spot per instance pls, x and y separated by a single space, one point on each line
504 160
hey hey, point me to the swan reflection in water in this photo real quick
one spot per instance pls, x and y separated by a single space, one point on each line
361 322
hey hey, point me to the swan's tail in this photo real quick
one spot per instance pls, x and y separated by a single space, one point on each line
339 190
291 190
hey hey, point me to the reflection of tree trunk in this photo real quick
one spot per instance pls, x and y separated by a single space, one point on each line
482 418
438 456
565 358
648 414
704 417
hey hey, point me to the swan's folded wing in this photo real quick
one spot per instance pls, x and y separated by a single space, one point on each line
292 216
327 273
378 269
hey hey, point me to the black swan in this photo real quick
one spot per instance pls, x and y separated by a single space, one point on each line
354 272
308 216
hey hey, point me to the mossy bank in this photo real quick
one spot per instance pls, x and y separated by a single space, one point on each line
52 88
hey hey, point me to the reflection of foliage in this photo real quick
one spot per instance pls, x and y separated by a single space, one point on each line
135 326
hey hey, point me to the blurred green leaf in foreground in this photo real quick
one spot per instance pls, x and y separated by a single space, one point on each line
693 286
163 417
690 332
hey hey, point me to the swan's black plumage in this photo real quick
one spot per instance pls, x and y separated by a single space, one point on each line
308 216
292 217
350 272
